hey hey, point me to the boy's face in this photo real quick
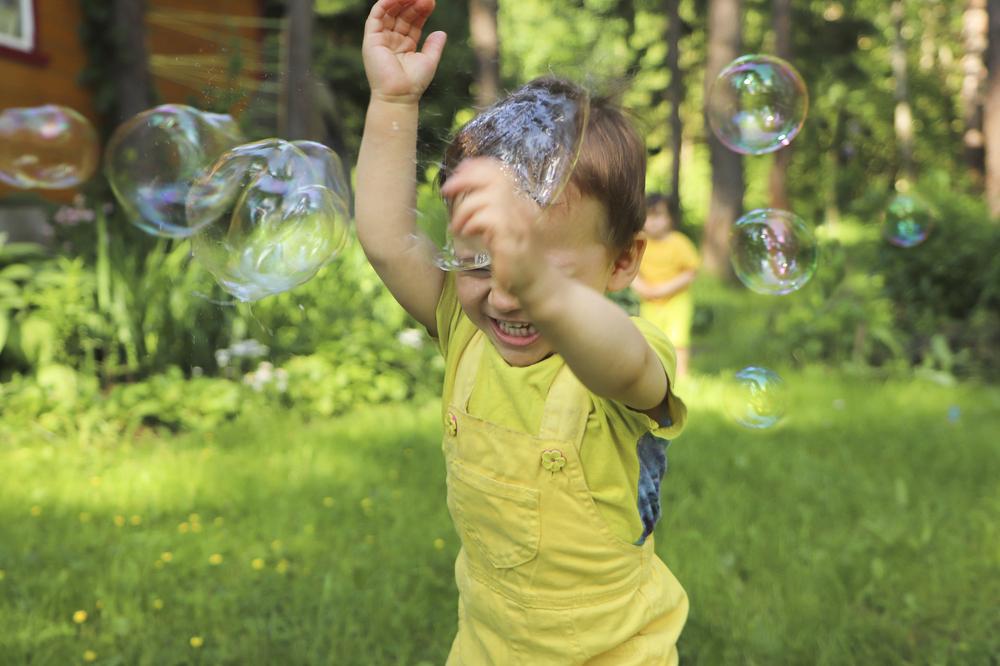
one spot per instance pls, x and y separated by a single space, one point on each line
572 239
657 220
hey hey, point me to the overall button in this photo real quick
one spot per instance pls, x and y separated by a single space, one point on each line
451 423
553 460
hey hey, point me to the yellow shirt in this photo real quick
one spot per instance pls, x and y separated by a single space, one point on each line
514 397
666 258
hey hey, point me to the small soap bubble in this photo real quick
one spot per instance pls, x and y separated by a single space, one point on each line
757 104
773 251
908 221
152 158
954 413
46 147
756 397
269 215
536 134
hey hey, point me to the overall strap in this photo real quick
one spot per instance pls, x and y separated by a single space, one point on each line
566 408
468 368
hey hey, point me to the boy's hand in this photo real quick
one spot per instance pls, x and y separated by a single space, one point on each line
486 206
396 71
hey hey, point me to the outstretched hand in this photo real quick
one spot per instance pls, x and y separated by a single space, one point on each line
396 70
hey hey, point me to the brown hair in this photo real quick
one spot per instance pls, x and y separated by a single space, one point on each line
611 166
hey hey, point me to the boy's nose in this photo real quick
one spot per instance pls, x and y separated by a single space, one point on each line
503 301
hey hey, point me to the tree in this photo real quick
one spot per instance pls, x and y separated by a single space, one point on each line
298 93
486 46
135 84
726 204
782 21
675 97
991 120
903 116
974 27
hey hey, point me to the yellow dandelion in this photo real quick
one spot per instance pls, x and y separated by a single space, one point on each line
80 616
367 504
183 528
158 603
3 574
215 559
167 556
196 641
158 564
136 520
194 518
309 529
328 502
98 604
89 655
282 566
219 521
396 493
36 511
120 521
196 527
95 481
276 545
85 517
439 543
257 563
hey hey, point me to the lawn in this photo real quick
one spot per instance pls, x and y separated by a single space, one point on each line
862 530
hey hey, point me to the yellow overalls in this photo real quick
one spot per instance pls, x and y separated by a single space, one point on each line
541 578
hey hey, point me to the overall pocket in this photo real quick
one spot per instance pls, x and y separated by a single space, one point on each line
499 519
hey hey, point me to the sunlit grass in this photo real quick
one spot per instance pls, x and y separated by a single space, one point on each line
861 529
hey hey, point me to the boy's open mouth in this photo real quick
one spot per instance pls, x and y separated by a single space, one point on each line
513 333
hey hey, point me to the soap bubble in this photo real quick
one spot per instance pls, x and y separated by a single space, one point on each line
536 133
773 251
48 147
269 215
153 157
756 397
757 104
907 221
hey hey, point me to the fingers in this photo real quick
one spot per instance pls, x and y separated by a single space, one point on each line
434 45
404 17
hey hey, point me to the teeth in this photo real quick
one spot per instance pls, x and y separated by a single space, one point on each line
516 330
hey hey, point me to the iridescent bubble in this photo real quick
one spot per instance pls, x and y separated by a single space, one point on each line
756 397
773 251
757 104
152 158
907 222
269 215
47 147
536 133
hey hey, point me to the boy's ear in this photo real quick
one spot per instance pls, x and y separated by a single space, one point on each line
626 265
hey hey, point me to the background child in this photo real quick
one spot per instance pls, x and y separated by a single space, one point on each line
668 268
548 384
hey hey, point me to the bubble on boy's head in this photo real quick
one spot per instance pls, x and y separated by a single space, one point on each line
757 104
773 251
46 147
535 133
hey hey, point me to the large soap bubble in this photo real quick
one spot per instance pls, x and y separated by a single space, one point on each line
152 158
756 397
536 133
757 104
773 251
908 221
269 215
47 147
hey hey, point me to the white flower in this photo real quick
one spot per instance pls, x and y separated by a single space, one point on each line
411 337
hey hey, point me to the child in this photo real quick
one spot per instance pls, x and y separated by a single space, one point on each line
668 268
548 384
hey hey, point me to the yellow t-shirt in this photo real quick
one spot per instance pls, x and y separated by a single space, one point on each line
514 398
666 258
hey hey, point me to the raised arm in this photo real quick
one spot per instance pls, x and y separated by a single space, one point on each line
398 74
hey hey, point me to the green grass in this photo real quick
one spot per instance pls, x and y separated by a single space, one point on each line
862 530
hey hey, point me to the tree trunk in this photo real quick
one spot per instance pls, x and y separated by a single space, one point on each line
135 84
991 120
299 87
486 45
903 117
777 183
726 204
675 97
975 23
